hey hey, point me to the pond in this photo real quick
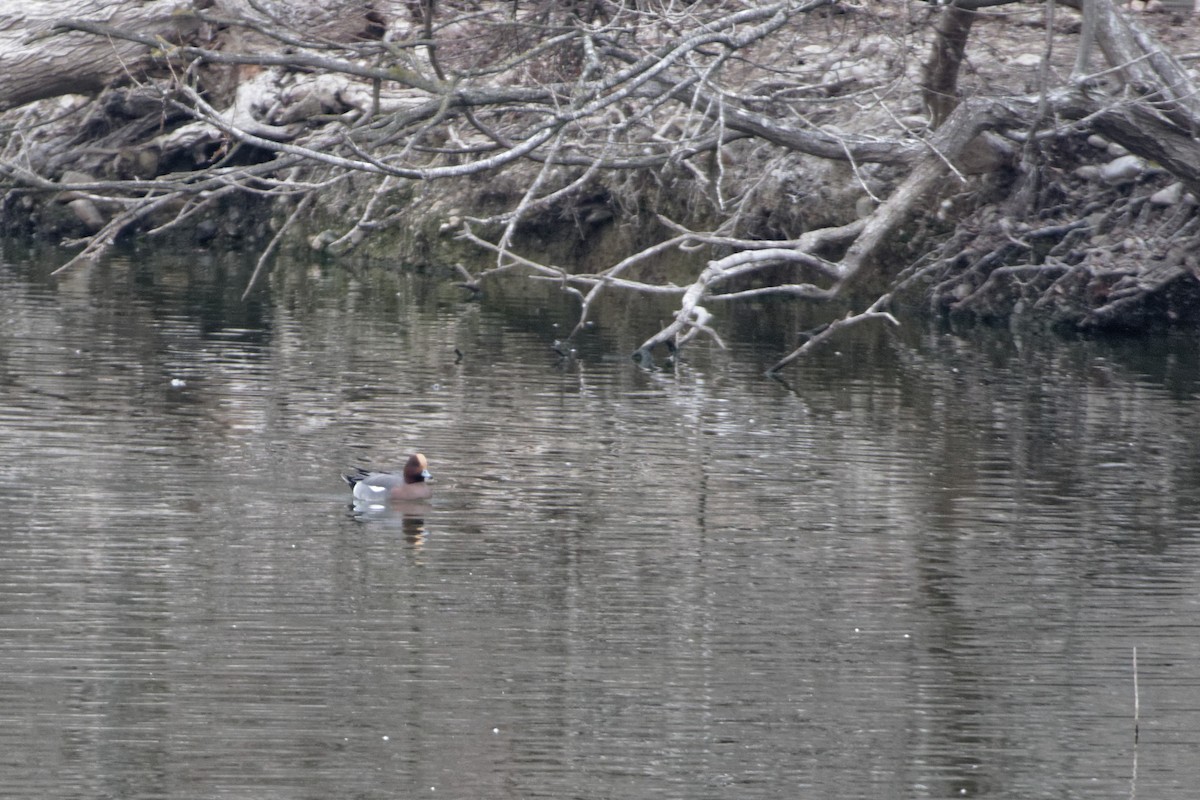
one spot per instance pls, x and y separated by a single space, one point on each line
920 567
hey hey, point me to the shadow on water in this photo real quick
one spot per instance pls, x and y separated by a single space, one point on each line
918 568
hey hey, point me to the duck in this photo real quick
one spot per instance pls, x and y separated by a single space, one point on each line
376 487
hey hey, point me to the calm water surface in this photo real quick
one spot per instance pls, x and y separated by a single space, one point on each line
917 569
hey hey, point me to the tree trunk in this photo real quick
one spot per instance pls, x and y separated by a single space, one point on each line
940 85
38 61
41 58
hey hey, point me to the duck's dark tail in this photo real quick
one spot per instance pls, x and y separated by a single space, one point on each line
356 476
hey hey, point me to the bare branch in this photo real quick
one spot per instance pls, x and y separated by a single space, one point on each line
829 332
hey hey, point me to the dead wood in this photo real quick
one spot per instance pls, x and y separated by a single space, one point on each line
777 146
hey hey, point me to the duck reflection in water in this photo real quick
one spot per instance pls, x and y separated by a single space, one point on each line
408 517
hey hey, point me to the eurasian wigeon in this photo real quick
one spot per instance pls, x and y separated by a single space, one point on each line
376 487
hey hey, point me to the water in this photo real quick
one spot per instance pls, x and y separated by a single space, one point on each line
919 568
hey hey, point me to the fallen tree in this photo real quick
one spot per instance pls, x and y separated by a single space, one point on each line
799 149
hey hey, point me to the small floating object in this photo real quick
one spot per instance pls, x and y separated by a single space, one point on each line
178 383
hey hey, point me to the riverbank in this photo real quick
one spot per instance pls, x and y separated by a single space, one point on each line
876 161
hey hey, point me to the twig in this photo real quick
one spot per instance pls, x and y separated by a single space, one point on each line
106 237
273 245
828 331
1136 698
511 260
609 276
